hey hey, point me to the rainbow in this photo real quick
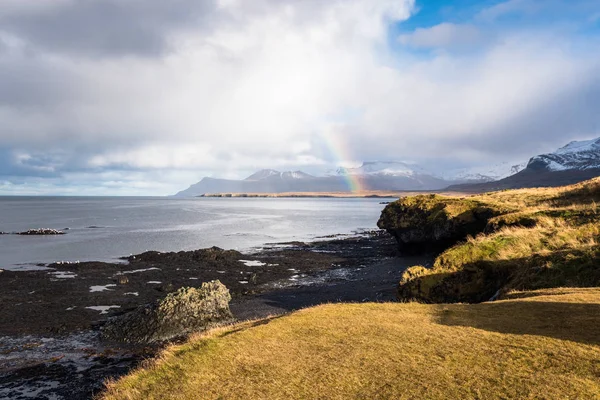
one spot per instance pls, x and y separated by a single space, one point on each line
340 152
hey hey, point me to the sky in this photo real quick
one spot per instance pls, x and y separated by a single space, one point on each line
145 97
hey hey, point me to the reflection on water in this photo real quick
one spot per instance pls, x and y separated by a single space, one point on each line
104 229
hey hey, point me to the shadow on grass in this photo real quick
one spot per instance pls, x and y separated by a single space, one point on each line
246 326
578 322
587 193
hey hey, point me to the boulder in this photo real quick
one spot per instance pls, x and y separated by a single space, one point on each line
180 313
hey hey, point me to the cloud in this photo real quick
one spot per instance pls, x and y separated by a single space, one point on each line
102 28
150 100
510 7
445 35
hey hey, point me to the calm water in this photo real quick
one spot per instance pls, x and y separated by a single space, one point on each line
124 226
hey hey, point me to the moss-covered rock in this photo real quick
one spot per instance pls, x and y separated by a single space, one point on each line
475 283
483 280
432 221
179 313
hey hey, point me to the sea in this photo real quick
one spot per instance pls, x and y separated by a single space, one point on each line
108 228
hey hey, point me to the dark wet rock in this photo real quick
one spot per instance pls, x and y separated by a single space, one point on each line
432 222
209 254
182 312
41 231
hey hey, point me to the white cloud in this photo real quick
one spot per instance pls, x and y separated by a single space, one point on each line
510 7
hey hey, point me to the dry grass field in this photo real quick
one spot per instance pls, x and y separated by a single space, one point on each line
539 345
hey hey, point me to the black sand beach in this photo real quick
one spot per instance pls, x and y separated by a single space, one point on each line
49 321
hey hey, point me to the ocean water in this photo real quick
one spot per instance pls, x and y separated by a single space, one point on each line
104 229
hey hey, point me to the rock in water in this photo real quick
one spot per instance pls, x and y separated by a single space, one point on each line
41 231
182 312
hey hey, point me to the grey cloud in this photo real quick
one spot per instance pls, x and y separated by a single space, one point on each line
32 82
105 27
539 127
10 166
569 115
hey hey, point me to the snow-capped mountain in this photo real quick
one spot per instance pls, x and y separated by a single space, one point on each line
264 181
575 162
369 176
386 168
273 174
262 174
393 175
484 174
577 155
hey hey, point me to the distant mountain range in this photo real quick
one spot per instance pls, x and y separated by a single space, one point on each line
575 162
572 163
369 176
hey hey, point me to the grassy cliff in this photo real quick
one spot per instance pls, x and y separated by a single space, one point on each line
502 241
542 345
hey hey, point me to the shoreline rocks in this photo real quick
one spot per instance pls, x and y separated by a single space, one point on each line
180 313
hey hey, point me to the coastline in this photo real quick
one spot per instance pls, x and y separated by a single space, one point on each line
48 333
369 194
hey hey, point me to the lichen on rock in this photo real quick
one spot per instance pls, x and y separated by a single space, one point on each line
182 312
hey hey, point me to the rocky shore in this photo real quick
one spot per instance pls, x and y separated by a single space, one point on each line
50 321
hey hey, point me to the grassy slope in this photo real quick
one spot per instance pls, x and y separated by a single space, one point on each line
543 345
540 238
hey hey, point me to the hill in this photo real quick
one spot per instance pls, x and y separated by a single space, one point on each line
498 242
